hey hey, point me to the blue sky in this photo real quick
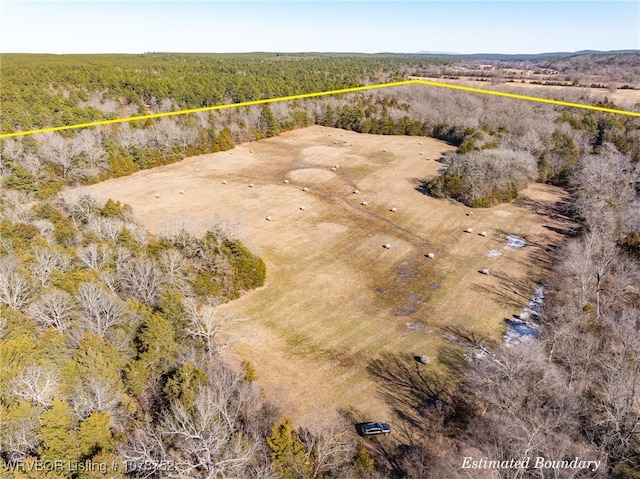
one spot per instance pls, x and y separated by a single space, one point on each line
472 26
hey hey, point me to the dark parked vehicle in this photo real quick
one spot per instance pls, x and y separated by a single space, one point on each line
374 428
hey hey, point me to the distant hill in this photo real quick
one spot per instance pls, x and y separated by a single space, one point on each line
525 56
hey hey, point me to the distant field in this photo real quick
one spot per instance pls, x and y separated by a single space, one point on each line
626 99
335 298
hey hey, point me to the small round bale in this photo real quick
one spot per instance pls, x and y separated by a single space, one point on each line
386 245
182 192
157 195
333 168
250 185
469 213
337 166
483 233
224 182
485 271
384 149
286 182
393 210
335 142
250 151
356 192
431 256
302 208
351 144
422 153
305 189
364 203
268 218
469 230
419 143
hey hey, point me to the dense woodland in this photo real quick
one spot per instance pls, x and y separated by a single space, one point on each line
110 338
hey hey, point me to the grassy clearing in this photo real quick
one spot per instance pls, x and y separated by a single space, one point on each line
335 298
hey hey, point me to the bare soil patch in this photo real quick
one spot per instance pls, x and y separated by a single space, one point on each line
335 297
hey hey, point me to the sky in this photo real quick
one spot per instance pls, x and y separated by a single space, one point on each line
472 26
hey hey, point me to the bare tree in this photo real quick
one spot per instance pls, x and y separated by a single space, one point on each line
141 279
62 152
54 309
205 441
46 229
96 393
174 265
616 425
205 323
19 434
12 150
187 135
48 260
105 228
17 206
605 192
36 384
146 453
16 289
132 137
88 142
94 256
100 310
122 256
108 277
84 208
164 134
139 233
331 448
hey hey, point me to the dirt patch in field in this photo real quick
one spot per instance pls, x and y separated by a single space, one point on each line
335 297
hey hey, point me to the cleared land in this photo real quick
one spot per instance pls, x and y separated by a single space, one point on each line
335 297
623 98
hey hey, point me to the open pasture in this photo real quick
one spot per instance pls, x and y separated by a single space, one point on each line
335 296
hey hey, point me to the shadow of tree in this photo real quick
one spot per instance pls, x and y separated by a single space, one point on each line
420 394
421 185
560 211
427 403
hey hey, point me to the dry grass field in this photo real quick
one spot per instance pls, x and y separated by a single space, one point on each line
623 98
335 297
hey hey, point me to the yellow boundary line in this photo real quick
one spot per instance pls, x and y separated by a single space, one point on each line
317 94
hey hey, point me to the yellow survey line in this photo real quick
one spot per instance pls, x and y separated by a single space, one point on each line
206 108
316 94
526 97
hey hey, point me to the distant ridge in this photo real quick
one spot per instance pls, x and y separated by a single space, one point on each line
527 56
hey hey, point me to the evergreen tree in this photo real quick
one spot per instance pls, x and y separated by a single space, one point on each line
94 435
288 454
268 124
225 140
58 433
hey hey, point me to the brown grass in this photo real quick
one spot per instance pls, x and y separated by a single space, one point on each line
335 298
